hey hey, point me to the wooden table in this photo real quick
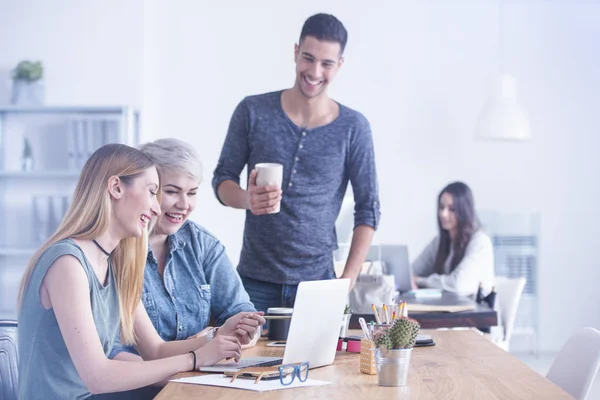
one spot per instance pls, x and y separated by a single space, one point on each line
462 365
481 317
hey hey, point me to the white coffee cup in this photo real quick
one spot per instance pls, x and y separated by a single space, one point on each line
269 174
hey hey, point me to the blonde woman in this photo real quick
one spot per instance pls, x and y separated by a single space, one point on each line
86 282
188 277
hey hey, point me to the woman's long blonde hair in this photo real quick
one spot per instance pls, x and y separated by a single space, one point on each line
88 217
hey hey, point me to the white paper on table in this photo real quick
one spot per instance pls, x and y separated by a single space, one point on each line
247 384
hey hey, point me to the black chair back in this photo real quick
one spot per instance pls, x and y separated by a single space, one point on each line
9 372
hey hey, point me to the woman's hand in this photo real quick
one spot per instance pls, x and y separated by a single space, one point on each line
217 349
414 282
243 325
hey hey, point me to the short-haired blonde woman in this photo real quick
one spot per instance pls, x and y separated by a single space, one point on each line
86 282
188 277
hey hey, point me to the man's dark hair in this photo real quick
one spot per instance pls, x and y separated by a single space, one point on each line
325 27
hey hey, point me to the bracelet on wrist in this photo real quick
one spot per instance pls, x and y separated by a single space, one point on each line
193 353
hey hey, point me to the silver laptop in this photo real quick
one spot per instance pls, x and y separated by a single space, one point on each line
395 259
314 329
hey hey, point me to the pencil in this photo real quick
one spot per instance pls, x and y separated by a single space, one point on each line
376 314
385 314
277 316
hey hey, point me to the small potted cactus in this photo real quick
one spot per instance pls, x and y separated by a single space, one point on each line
394 344
27 83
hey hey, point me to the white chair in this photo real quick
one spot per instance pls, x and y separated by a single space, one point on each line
508 296
576 365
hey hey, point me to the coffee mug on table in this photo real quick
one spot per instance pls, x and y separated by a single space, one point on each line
278 328
269 174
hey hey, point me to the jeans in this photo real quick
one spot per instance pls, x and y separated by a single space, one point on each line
265 294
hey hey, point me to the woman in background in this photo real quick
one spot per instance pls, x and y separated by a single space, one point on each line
84 285
188 277
461 256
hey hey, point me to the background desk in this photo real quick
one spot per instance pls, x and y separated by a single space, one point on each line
462 365
481 317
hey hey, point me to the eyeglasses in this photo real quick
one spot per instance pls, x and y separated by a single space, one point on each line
285 373
288 372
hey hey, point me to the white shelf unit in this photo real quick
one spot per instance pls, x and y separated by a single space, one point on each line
24 251
33 201
39 174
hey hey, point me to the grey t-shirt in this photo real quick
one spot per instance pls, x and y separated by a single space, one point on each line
46 370
297 243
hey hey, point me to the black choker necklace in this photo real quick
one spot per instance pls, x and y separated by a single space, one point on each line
101 248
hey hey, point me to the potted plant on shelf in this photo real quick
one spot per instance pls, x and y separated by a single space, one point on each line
27 84
345 321
394 344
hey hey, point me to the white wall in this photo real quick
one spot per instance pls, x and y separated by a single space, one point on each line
417 71
92 51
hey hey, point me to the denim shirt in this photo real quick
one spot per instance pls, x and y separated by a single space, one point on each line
198 282
297 243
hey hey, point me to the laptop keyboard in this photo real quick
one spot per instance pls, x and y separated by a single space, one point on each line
253 363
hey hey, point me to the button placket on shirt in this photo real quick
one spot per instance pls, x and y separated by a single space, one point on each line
171 289
297 159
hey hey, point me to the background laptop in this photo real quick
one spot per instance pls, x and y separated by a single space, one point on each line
395 259
314 329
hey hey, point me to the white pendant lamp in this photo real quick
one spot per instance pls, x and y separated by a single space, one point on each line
502 117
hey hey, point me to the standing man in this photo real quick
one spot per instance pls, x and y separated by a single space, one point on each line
322 145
